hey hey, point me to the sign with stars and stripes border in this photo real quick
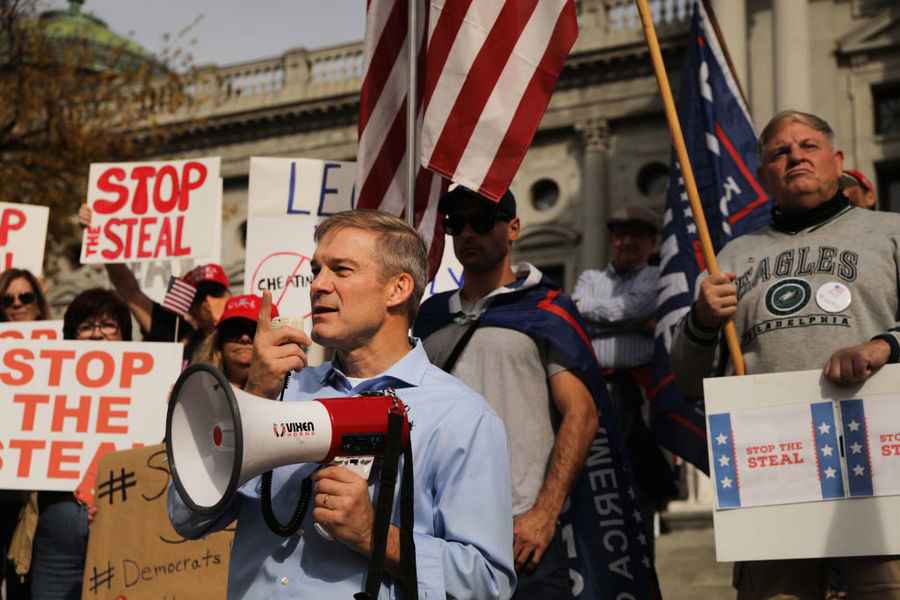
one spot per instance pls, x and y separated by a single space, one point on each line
789 452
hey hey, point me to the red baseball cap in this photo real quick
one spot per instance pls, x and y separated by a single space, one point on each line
212 273
862 179
245 306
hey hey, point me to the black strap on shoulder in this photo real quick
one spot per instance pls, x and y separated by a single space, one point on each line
460 346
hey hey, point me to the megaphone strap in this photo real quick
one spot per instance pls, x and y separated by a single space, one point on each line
383 508
293 525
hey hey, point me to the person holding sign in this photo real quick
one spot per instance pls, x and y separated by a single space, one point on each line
21 299
817 289
369 275
60 527
230 346
158 324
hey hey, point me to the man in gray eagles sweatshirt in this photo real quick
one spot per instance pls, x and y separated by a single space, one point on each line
816 289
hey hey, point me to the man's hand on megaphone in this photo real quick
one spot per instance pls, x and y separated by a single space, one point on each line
343 508
275 353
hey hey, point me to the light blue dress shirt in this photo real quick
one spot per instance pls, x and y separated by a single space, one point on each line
615 306
463 509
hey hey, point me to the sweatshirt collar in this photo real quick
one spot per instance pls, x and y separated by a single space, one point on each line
797 221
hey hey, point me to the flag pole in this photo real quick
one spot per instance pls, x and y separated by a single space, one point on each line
687 173
412 106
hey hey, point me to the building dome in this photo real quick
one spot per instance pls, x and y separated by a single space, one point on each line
72 27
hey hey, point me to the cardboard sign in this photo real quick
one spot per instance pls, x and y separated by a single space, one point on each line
153 211
287 200
31 330
133 552
792 452
65 402
23 235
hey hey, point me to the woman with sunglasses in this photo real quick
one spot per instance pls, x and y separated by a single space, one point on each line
21 297
230 347
60 538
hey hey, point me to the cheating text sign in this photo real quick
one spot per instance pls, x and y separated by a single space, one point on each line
23 234
65 403
147 559
287 200
153 211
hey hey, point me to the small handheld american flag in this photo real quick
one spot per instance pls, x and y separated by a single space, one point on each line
179 296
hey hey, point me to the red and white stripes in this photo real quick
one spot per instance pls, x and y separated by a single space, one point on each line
485 80
498 63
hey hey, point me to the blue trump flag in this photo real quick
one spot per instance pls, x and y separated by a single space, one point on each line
721 145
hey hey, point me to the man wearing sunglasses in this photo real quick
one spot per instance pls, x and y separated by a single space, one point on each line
510 334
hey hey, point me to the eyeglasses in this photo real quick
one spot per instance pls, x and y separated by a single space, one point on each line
105 327
481 222
9 299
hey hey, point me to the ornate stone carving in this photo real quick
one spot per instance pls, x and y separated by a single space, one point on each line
595 134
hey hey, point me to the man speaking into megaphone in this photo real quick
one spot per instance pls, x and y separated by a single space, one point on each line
369 275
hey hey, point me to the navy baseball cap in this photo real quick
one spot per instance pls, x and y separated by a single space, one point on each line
506 206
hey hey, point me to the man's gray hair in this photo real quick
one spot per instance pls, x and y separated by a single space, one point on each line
810 120
399 248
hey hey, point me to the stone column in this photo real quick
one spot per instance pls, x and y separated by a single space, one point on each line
791 54
595 197
732 18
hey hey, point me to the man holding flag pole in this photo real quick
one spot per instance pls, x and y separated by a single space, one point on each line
815 289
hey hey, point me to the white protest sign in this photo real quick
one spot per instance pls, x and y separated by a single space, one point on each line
449 273
23 235
65 403
31 330
287 199
153 210
790 452
153 276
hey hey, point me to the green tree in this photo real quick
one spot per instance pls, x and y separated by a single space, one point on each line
74 93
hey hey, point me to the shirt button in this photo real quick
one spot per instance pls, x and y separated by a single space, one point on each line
284 581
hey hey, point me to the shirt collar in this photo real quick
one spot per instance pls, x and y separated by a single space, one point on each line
612 272
527 276
406 372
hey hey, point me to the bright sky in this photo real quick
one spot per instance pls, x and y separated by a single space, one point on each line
230 31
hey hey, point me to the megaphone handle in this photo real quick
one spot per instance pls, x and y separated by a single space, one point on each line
287 379
271 520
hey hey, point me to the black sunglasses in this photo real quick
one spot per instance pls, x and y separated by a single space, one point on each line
9 299
233 329
481 222
215 290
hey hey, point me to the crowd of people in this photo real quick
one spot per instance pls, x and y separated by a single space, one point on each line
504 398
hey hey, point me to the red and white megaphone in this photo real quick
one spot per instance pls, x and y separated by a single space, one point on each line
219 437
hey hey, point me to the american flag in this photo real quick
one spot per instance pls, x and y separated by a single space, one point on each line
486 71
179 296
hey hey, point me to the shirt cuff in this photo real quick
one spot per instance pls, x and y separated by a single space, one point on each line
429 567
891 339
699 334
